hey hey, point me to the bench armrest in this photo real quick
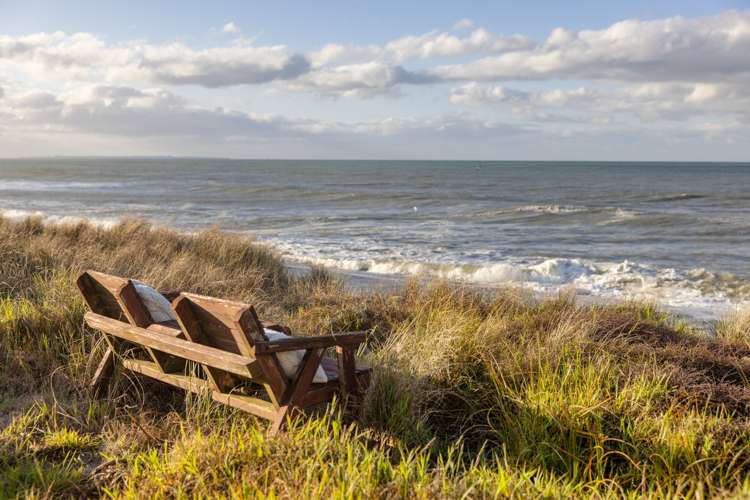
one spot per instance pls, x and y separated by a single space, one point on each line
349 339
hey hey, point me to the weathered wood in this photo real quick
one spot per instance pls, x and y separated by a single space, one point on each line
317 396
139 315
227 340
104 371
276 381
193 330
224 313
296 343
196 385
98 297
136 312
347 371
169 328
233 363
294 399
279 421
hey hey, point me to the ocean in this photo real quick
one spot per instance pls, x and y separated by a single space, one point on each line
677 234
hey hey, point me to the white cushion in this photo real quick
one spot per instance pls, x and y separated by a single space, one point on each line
290 360
157 304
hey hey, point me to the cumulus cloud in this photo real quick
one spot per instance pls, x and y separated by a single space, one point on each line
688 76
434 45
701 49
704 49
84 56
361 80
220 67
230 27
646 102
130 112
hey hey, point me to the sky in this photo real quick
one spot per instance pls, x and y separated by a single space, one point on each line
586 80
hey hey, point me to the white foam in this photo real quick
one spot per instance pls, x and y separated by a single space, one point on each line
696 292
552 209
18 215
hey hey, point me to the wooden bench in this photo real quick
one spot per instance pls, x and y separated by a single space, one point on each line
239 364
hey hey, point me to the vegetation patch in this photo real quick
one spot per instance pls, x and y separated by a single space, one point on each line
474 393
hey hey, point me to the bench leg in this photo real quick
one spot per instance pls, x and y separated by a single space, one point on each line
104 371
279 423
297 390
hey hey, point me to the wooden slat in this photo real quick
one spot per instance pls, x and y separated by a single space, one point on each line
295 343
249 404
104 371
113 283
233 327
276 381
193 330
233 363
305 375
345 357
169 328
227 312
293 400
317 396
139 315
100 299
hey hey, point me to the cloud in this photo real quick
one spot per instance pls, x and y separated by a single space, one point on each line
219 67
463 24
710 48
434 45
474 93
230 27
647 102
130 112
705 49
84 57
672 77
361 80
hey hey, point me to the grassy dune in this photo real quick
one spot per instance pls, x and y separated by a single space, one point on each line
473 394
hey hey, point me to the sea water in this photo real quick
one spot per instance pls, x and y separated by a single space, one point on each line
677 234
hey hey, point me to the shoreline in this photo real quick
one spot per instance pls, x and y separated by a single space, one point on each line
700 312
364 282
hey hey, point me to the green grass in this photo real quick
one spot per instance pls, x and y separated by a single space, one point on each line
474 394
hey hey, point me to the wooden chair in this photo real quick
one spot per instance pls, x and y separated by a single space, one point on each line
239 363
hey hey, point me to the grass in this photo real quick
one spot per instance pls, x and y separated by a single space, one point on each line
474 394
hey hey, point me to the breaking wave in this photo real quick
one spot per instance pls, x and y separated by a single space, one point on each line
697 292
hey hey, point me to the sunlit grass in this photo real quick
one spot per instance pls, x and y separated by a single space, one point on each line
474 394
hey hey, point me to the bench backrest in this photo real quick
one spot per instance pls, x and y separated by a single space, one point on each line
113 297
232 327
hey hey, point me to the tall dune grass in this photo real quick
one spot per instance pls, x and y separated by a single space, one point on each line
474 394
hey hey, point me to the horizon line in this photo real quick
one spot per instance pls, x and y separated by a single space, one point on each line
179 157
